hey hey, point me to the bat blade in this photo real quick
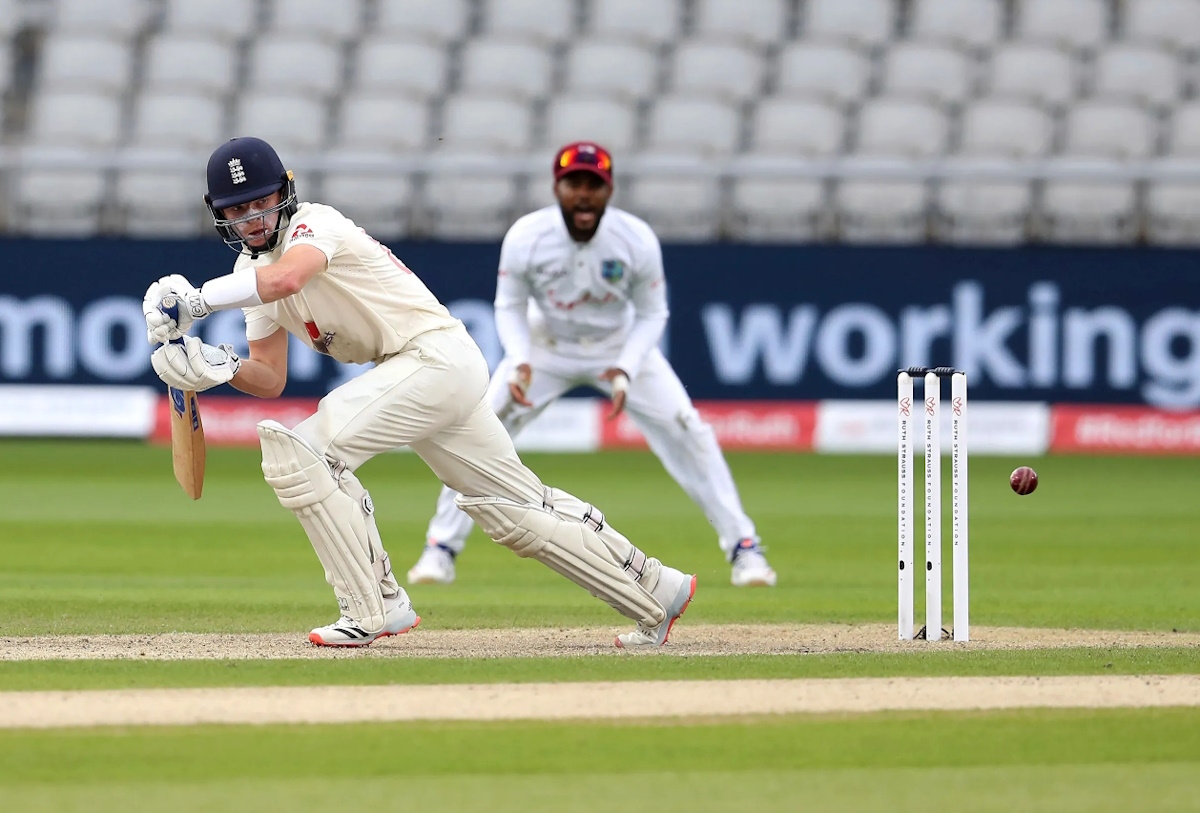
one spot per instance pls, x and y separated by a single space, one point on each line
187 430
187 442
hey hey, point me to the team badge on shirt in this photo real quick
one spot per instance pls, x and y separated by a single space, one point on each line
612 271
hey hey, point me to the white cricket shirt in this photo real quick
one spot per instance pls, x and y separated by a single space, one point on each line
609 290
364 307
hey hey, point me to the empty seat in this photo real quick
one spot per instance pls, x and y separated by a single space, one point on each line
1108 130
468 207
436 21
10 18
797 127
784 210
174 121
1137 73
545 20
308 66
60 202
401 66
117 19
722 69
1174 23
1184 135
85 63
187 64
693 124
1173 213
605 121
1075 24
983 211
158 204
881 211
729 18
512 67
6 66
902 128
301 19
226 19
485 123
611 67
650 22
374 121
381 204
1039 73
1091 212
1005 129
677 208
291 123
832 72
938 73
74 120
863 22
975 24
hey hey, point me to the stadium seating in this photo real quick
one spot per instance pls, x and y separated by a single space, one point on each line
435 21
965 121
185 63
968 24
626 70
401 66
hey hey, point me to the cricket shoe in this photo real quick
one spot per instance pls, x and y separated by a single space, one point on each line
674 592
399 619
750 567
436 565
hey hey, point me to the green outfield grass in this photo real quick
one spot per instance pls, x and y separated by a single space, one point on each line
1062 761
98 538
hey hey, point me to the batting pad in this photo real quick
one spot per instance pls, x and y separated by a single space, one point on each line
335 522
569 548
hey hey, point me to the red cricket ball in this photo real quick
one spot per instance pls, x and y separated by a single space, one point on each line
1023 480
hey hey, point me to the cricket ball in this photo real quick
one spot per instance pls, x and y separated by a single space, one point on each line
1023 480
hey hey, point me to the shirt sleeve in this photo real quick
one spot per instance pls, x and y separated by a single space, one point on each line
648 293
258 324
512 299
317 227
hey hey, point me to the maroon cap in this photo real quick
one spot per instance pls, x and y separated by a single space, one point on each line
584 156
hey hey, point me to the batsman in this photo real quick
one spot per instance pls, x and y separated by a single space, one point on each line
307 270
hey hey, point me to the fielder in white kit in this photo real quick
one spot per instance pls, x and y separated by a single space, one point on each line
307 270
581 301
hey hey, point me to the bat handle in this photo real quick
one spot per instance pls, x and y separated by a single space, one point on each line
170 308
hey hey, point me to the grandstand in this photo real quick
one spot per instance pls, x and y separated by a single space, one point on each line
865 121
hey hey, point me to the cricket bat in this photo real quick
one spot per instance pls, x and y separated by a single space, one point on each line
187 430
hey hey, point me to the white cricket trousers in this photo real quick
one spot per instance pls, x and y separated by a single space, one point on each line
429 397
658 405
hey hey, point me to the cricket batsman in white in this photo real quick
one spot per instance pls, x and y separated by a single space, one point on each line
307 270
581 300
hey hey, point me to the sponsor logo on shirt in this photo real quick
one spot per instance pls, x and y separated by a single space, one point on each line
302 231
612 271
320 341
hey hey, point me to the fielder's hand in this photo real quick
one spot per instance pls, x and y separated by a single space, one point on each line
161 329
518 384
620 388
194 365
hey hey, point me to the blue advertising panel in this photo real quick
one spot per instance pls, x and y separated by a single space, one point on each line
747 322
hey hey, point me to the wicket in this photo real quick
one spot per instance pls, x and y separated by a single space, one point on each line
932 378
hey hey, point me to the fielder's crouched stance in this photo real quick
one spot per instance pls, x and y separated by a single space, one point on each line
307 270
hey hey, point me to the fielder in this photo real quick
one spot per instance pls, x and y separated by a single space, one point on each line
581 300
305 269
